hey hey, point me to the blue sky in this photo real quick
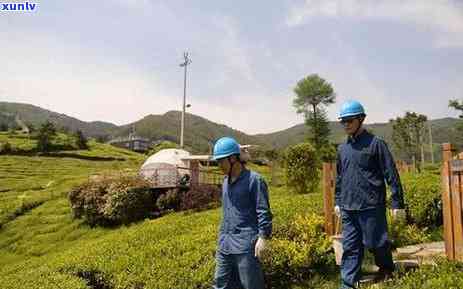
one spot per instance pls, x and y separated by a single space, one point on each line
118 60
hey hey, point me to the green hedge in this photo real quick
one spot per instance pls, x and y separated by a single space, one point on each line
121 200
423 198
298 249
301 165
112 201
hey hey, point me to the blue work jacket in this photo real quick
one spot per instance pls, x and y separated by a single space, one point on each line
364 164
246 213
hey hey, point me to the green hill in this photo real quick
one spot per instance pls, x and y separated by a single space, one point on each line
442 132
35 115
199 132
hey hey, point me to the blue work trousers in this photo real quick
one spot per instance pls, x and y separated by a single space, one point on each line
238 271
364 229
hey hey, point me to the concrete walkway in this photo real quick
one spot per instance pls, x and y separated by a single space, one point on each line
408 258
421 253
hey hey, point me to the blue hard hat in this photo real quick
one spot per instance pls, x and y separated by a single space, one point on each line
225 147
351 108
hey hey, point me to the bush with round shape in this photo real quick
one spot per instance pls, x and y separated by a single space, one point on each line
301 165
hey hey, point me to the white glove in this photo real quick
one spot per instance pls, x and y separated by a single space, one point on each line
337 211
261 244
398 214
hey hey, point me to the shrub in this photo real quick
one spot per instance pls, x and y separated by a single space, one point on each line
301 168
112 201
432 168
3 126
298 250
63 142
128 199
402 234
81 140
12 131
45 136
87 201
444 275
423 199
327 153
170 200
201 197
5 148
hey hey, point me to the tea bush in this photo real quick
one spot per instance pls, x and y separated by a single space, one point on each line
5 148
170 200
403 234
297 251
432 168
128 200
327 153
201 197
122 200
423 198
444 275
112 201
301 165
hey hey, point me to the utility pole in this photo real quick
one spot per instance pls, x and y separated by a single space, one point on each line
184 64
430 143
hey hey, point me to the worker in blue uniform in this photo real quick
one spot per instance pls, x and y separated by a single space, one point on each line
246 224
364 166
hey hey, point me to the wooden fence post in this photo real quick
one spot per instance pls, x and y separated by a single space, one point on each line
456 178
328 196
447 152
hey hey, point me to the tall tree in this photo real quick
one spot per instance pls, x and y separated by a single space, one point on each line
45 136
401 137
408 134
457 105
313 94
457 136
81 140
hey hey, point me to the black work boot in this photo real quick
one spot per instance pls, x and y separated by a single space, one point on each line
383 274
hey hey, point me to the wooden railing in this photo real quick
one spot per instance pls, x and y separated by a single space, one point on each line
452 198
329 178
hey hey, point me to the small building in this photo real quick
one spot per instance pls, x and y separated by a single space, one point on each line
133 142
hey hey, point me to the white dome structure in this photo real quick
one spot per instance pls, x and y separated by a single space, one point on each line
164 168
168 156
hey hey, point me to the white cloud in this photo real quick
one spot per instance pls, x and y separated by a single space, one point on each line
252 116
79 82
135 3
444 18
348 76
235 55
